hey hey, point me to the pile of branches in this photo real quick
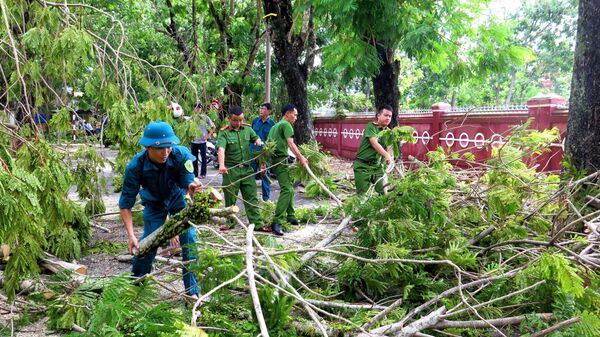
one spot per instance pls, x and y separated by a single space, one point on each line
495 250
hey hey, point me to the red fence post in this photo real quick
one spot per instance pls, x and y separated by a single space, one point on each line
541 107
438 110
339 137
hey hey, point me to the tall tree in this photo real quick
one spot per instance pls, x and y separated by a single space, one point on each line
378 33
294 45
583 130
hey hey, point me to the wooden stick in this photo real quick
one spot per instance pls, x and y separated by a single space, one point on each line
252 282
102 228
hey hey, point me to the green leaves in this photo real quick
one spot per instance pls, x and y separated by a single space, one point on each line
317 161
37 40
395 136
554 267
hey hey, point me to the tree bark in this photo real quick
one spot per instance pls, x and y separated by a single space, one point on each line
172 31
583 129
511 88
385 83
289 48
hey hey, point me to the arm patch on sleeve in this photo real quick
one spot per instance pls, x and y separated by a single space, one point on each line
189 166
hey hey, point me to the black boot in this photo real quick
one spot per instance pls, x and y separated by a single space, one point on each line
293 222
277 229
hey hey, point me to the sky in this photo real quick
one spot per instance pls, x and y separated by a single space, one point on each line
503 8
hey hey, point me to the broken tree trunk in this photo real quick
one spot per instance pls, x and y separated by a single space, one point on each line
5 252
55 265
179 223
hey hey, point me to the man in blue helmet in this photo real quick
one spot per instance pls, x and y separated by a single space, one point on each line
165 172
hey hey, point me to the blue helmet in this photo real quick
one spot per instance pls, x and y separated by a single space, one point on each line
159 135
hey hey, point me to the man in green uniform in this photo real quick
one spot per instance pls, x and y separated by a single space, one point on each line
283 136
234 164
367 165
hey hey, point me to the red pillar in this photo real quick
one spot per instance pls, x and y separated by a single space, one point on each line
438 110
339 137
541 107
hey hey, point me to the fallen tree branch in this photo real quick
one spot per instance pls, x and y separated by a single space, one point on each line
204 297
520 291
313 315
456 289
556 326
340 305
593 201
480 324
320 183
174 227
252 282
406 331
383 313
329 239
55 265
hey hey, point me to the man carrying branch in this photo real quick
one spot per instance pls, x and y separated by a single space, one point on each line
234 164
367 165
283 136
165 172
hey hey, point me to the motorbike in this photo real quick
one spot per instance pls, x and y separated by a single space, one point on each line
211 153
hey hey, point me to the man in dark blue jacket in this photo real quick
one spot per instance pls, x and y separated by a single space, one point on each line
262 125
165 172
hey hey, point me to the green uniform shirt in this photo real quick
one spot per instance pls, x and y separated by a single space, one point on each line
280 134
236 143
366 151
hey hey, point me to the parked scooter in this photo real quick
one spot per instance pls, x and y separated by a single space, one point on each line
211 153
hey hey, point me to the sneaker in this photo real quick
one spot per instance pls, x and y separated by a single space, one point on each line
277 229
202 176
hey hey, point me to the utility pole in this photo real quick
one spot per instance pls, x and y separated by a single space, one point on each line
268 68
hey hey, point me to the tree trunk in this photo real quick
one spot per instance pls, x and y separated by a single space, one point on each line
497 91
172 31
583 129
289 49
453 99
511 88
385 83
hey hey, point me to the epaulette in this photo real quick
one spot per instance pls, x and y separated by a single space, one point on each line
246 124
226 127
377 125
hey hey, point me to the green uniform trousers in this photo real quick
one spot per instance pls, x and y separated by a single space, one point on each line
242 179
285 202
366 175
